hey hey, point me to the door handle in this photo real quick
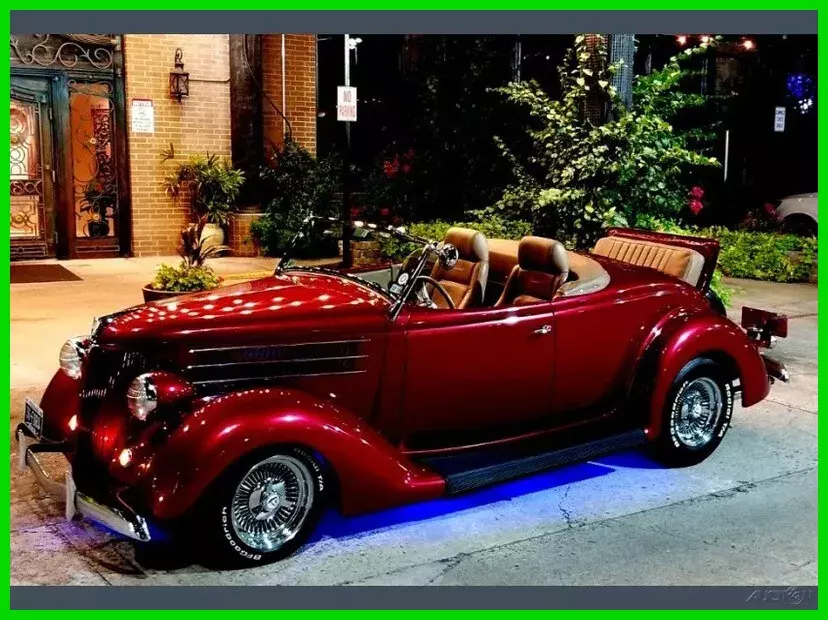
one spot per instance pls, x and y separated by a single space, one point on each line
542 331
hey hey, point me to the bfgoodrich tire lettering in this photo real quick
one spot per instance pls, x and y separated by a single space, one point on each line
697 413
263 508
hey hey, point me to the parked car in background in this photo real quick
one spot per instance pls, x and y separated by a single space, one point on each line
798 214
240 413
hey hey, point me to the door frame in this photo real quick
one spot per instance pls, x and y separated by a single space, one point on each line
62 154
47 162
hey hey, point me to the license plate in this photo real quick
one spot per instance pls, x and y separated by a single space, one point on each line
33 418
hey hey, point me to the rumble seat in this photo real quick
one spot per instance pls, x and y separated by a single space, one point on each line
682 263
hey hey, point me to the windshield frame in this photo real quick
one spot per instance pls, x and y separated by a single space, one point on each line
429 247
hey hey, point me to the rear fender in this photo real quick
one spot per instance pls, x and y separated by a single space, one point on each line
370 472
684 336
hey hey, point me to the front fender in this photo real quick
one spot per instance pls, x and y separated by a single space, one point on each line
690 335
371 473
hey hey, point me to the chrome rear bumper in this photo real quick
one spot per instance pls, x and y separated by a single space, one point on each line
776 370
28 447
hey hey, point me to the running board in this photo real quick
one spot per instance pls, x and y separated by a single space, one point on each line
468 479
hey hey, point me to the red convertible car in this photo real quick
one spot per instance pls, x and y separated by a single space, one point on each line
242 412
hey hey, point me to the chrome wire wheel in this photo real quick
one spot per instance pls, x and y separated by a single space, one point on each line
271 502
698 412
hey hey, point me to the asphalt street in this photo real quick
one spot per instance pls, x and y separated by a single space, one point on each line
747 515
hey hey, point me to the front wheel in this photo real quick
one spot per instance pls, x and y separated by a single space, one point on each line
264 508
697 413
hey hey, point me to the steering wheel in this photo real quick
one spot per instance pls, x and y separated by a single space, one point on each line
425 298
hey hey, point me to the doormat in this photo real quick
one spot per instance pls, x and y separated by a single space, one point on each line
24 274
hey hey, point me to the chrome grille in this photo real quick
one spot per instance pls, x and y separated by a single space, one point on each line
106 372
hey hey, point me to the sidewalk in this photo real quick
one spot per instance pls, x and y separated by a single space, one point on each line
44 315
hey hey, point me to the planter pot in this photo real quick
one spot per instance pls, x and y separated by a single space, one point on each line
212 235
151 294
364 253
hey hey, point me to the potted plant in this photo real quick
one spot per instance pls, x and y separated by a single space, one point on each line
213 186
99 200
192 275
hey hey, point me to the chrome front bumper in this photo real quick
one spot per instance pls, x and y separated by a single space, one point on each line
116 520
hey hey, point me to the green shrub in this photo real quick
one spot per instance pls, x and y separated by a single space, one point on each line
294 184
583 176
765 256
185 278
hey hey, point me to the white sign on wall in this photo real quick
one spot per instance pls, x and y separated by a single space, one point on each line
143 116
346 103
779 119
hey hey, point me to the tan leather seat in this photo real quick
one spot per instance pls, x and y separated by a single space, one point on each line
543 266
679 262
466 281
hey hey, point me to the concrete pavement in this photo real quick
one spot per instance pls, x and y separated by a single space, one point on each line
747 515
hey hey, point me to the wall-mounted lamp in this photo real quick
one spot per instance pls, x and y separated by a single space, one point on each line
179 79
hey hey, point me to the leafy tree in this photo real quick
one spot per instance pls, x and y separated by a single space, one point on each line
582 176
294 184
450 113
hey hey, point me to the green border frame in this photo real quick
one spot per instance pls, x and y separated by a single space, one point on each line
440 5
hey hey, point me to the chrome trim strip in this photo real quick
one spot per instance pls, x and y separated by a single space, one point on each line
282 361
277 377
274 346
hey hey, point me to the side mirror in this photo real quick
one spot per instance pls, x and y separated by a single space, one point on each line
448 256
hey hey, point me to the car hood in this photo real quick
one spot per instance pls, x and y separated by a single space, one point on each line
800 196
287 300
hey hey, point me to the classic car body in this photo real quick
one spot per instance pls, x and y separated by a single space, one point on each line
390 402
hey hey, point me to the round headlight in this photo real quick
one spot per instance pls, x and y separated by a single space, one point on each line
142 396
71 358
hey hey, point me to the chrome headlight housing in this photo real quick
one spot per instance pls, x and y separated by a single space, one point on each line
142 396
71 357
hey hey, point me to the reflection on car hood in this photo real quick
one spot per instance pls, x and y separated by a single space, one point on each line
294 296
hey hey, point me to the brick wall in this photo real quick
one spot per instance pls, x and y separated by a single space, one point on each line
198 124
300 80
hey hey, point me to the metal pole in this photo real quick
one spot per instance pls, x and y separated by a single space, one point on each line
347 258
726 153
284 90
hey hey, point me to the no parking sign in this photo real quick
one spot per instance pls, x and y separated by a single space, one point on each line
346 103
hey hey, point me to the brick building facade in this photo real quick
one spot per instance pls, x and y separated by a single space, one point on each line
86 184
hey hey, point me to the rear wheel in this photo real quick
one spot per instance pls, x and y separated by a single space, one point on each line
798 224
697 413
264 508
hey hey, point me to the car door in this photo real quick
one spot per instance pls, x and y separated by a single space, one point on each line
476 370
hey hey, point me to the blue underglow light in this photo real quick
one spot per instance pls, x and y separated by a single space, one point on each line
334 525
